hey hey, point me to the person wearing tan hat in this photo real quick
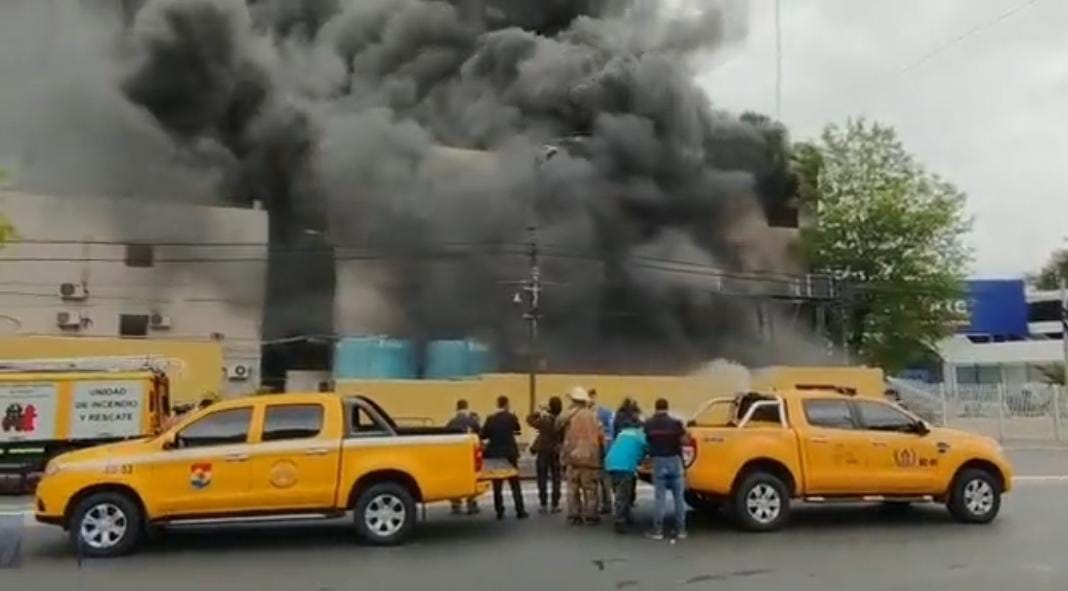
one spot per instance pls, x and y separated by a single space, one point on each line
580 453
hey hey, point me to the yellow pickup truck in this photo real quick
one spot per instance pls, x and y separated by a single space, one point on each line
265 457
755 453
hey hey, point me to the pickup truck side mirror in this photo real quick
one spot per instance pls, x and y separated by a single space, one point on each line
170 441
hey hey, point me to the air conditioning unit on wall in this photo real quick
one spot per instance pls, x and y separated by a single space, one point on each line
159 321
73 291
71 319
238 372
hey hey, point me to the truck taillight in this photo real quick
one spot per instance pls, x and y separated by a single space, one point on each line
689 453
478 457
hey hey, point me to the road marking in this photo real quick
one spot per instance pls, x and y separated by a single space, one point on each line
1026 479
645 493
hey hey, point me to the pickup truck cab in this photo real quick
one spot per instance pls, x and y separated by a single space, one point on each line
265 457
757 452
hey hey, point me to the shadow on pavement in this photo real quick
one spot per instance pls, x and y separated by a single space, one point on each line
484 531
840 517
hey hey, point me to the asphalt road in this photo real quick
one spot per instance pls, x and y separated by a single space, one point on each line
823 548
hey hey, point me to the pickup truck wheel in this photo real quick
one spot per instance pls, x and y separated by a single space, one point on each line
761 502
385 514
106 524
975 497
701 503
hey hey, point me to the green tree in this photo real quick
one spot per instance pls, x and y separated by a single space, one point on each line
1055 268
891 232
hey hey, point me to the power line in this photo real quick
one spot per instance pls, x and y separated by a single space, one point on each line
972 31
445 250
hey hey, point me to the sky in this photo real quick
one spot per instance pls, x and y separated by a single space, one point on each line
987 112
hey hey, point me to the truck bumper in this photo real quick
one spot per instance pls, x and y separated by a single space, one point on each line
49 519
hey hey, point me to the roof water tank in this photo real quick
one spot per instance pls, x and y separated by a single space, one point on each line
457 359
375 358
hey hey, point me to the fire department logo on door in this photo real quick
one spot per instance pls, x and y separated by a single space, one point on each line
283 474
906 458
200 476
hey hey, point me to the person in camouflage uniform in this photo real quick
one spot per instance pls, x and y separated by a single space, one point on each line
580 454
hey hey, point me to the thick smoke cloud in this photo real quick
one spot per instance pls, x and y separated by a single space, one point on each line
341 117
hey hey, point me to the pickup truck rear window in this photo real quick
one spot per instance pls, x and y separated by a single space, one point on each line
829 414
292 421
219 428
362 424
883 417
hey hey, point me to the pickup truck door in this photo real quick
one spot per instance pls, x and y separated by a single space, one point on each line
295 462
901 460
833 450
207 472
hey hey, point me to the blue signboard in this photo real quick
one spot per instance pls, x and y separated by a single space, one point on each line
996 307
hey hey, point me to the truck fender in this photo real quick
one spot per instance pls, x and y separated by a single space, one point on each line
384 475
771 466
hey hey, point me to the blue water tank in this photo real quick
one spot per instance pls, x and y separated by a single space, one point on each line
457 359
375 358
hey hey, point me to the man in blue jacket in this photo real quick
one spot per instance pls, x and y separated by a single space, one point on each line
621 464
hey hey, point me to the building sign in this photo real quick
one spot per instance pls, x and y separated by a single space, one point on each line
107 409
995 307
27 412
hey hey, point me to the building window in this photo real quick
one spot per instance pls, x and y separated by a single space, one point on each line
140 255
133 325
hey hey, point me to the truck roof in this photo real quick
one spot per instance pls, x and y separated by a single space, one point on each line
71 376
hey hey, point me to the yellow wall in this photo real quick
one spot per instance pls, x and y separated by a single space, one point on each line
194 368
433 401
868 381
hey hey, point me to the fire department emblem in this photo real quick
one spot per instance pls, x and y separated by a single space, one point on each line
906 458
200 476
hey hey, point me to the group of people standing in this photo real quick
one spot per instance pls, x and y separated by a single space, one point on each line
598 451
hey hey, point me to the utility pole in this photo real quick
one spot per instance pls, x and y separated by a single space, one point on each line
846 311
532 286
1064 346
778 59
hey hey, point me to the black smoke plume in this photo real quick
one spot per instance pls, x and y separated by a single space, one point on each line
400 147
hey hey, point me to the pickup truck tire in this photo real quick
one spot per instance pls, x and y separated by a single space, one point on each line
701 502
975 496
385 514
106 524
761 502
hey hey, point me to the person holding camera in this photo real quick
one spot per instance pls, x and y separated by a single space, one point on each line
546 450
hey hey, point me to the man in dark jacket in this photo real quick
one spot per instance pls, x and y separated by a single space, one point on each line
465 421
546 449
666 435
499 433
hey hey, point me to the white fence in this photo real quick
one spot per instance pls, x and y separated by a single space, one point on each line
1009 412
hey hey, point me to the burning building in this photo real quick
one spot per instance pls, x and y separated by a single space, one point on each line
344 117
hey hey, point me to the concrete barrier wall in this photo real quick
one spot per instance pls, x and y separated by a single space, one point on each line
433 402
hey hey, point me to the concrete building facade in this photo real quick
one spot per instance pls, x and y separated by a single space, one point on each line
123 268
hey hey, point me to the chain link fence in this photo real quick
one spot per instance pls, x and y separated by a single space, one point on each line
1008 412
